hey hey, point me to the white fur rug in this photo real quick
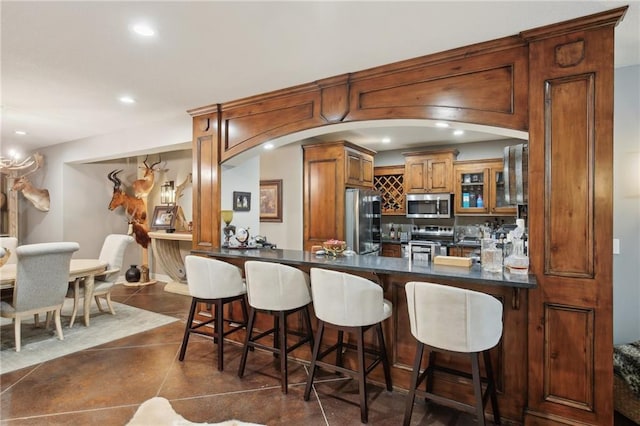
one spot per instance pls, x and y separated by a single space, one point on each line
159 412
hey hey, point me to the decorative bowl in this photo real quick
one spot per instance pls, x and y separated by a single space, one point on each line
334 247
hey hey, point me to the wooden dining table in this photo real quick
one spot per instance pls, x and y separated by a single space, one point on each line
78 268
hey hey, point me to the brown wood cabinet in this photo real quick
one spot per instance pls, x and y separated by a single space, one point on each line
479 188
329 168
359 167
556 82
389 180
462 251
429 171
391 250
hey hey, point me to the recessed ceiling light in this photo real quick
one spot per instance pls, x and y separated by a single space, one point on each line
458 132
127 100
21 132
143 30
268 145
386 140
442 124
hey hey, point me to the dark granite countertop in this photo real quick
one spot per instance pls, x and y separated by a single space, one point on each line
390 241
468 243
376 264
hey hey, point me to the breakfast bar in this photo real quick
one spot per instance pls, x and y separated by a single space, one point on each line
392 274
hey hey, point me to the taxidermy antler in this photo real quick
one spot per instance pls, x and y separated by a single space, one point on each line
38 197
142 186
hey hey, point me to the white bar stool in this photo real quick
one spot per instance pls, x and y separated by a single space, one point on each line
277 290
215 283
353 304
451 319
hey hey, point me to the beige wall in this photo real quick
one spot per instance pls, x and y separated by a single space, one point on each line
285 163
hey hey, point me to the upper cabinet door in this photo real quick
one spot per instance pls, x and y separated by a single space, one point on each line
440 170
479 188
359 168
498 204
472 188
429 171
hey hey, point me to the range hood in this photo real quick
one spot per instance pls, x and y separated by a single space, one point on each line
516 172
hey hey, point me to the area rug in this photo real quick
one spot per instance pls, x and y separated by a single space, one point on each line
39 345
159 412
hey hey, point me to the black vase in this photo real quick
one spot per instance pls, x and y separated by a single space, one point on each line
133 274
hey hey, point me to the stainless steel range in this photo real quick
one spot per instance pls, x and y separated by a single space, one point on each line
427 242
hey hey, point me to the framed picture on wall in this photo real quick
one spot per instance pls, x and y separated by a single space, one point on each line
241 201
164 217
271 200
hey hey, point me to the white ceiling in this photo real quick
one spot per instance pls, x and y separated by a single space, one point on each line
65 64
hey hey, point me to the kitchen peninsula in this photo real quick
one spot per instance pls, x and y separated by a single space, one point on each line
554 82
392 274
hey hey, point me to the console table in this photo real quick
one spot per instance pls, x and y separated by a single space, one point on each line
166 250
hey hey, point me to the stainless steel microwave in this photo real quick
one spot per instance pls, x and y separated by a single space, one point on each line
430 206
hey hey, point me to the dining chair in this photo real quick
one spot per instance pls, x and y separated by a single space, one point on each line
10 243
112 252
42 277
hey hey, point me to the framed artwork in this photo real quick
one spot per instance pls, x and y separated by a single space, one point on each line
271 200
164 217
241 201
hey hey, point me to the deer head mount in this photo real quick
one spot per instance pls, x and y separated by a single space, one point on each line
142 186
134 207
38 197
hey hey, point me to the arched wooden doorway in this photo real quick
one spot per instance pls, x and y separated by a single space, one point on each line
556 82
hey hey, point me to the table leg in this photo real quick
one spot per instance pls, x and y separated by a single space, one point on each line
88 296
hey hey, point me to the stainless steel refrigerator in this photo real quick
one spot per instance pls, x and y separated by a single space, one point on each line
363 221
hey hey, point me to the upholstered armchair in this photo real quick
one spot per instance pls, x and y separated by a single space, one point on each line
112 252
42 276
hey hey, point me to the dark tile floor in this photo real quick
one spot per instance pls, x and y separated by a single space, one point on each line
106 384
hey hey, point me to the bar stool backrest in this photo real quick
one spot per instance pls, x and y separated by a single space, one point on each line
345 299
276 287
213 279
452 318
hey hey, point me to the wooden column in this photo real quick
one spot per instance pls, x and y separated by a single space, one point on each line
570 229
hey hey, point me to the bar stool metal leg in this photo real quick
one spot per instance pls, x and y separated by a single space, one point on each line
362 377
185 339
492 385
385 360
314 358
408 409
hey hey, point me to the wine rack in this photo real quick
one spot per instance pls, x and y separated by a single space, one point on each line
389 180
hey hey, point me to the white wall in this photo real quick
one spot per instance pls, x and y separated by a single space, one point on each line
285 163
44 227
92 211
626 205
243 178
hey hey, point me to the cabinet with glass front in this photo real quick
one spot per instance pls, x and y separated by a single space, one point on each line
479 188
